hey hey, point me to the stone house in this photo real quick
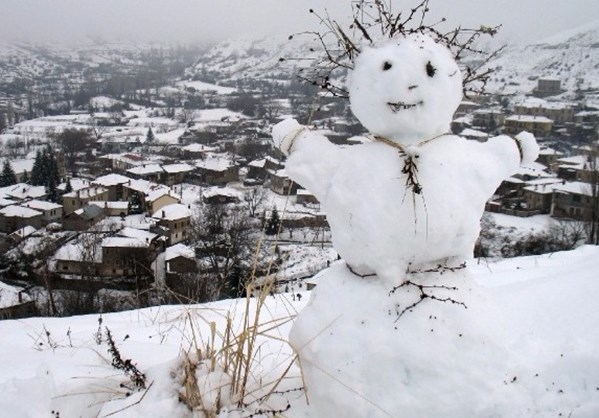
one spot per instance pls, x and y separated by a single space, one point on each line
538 194
176 220
160 198
51 212
572 200
560 113
180 259
539 126
149 172
547 86
282 184
114 184
175 173
16 217
84 218
215 171
78 199
262 169
487 120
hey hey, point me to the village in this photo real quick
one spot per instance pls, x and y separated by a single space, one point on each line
175 193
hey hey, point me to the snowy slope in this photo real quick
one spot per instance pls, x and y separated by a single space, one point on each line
570 56
256 58
548 302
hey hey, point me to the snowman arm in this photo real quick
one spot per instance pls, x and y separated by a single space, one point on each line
508 153
313 159
527 146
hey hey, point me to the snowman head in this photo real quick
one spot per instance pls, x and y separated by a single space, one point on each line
405 89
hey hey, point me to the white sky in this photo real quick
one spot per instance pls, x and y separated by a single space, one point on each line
191 20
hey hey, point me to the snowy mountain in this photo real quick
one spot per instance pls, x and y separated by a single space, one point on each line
62 367
571 56
256 58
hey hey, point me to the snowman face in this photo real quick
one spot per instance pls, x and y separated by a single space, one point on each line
405 89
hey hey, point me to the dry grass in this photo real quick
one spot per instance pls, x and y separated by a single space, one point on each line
223 368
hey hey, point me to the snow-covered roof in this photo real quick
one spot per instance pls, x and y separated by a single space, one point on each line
178 168
199 148
146 169
179 250
172 212
23 191
206 87
576 161
215 164
15 211
533 169
41 205
161 191
88 192
78 251
111 204
111 180
221 191
262 162
24 232
474 133
76 184
575 187
6 202
144 186
549 151
528 118
9 296
140 234
123 242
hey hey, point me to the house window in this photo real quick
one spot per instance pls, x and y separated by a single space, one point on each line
576 198
65 267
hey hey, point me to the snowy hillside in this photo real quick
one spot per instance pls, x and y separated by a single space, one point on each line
59 367
256 58
572 56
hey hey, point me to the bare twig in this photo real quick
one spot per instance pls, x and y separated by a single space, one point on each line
339 46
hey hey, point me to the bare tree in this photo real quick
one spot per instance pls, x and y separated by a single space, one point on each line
226 239
72 142
254 199
373 20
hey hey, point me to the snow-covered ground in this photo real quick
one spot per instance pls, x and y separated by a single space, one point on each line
548 304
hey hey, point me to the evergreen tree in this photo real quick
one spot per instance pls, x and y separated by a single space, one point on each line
8 176
51 191
150 136
37 176
135 204
45 168
68 187
273 224
51 167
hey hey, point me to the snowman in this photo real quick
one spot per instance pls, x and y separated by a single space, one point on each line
389 327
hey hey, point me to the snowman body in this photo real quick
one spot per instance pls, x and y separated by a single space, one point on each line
399 328
380 225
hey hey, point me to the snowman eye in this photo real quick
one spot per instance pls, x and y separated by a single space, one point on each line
430 70
387 66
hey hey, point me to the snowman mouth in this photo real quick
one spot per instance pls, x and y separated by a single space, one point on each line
399 106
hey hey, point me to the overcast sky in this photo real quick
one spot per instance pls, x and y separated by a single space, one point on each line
192 20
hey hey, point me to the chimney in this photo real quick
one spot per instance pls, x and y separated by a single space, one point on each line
163 214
